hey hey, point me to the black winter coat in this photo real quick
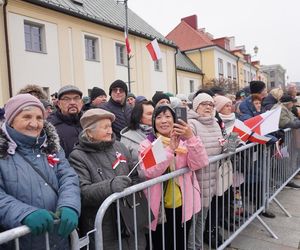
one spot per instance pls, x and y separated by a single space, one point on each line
122 113
68 129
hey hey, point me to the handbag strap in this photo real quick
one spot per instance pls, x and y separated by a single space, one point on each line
40 174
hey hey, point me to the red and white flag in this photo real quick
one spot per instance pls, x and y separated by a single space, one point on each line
154 154
120 158
128 48
255 128
246 134
154 50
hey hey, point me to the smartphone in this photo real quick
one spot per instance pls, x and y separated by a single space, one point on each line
181 113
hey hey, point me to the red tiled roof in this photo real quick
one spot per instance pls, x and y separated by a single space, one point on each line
187 38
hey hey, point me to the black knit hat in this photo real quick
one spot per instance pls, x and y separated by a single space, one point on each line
96 92
286 98
159 96
161 108
256 87
118 84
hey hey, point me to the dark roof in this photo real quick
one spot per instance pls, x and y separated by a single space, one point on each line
185 63
108 13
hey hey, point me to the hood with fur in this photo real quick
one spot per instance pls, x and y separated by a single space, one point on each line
50 146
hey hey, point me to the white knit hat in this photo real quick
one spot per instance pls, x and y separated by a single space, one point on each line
202 97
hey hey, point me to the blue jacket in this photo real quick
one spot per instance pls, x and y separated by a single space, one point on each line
22 189
247 109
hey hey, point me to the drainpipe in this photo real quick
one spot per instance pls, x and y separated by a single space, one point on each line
7 47
176 83
238 73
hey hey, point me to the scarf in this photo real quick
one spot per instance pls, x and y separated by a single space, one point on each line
228 121
146 129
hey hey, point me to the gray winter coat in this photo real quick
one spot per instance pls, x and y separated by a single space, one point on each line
93 163
23 190
209 131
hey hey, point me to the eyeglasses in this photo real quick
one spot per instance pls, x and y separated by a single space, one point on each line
209 104
115 90
70 99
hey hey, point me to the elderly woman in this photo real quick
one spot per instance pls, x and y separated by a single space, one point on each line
36 181
203 123
139 127
224 107
182 149
102 164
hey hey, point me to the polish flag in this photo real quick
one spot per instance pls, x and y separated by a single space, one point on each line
128 48
154 50
154 154
120 158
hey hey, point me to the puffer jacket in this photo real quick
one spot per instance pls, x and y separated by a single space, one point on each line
93 163
209 131
132 140
247 109
122 113
68 129
23 190
195 158
287 118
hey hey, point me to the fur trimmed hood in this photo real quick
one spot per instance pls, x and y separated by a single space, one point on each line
35 90
50 146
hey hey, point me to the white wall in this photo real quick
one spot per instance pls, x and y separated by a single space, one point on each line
226 58
93 70
159 79
31 67
184 84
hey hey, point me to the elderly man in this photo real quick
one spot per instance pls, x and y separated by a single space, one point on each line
66 119
117 104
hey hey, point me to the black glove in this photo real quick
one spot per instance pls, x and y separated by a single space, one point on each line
119 183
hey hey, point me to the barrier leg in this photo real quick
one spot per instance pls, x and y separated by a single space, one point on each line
282 208
267 227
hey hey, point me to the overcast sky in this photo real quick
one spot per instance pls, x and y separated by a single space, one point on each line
272 25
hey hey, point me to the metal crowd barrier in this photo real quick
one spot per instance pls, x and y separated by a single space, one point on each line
257 173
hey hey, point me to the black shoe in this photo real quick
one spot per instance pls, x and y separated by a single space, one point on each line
268 214
292 185
214 242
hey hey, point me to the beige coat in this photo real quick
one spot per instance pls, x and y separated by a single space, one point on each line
209 132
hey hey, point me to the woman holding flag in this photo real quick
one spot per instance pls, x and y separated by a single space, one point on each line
102 164
181 149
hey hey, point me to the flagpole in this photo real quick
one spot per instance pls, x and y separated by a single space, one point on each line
128 56
135 166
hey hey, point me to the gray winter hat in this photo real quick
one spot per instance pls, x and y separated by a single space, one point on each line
67 89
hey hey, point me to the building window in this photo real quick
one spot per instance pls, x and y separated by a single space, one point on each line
192 86
272 84
249 77
34 37
245 76
229 72
158 65
272 73
220 67
121 54
46 90
91 48
234 71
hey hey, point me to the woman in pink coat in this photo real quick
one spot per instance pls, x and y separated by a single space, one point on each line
182 149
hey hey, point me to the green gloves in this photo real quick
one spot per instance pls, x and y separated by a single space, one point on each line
39 221
68 221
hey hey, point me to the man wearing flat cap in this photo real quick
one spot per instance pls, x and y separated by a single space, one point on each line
66 119
117 105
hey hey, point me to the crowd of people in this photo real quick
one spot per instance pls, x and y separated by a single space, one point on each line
61 158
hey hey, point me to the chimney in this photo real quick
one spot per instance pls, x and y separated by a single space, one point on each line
192 21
